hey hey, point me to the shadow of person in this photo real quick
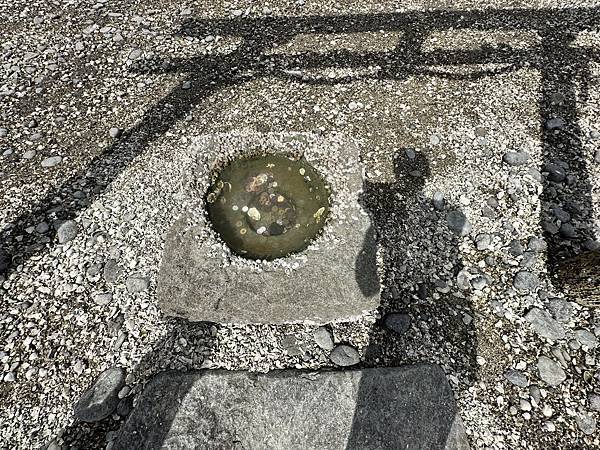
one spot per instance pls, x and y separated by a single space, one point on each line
425 307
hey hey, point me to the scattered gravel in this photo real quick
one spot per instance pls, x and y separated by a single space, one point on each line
468 241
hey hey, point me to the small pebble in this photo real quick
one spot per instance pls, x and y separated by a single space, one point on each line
137 284
458 223
344 356
555 123
51 161
594 402
438 200
524 405
555 172
550 371
515 158
29 154
516 377
135 54
525 281
42 228
67 231
102 298
115 132
586 338
323 338
586 422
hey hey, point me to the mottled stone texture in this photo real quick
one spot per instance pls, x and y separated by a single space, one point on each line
409 407
332 280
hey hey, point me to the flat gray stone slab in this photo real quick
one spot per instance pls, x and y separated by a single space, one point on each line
409 407
334 278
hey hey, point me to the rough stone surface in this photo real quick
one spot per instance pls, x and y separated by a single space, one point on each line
386 408
101 399
334 278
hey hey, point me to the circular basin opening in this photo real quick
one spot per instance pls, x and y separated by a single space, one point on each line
269 206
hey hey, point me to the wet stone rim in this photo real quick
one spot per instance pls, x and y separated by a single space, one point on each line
267 205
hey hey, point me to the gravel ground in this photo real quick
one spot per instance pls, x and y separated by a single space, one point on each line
480 130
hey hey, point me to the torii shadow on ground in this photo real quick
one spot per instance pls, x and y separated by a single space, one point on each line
565 77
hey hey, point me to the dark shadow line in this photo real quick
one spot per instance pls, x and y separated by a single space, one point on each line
520 19
567 185
209 74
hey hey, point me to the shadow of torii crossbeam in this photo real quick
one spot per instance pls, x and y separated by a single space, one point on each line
561 65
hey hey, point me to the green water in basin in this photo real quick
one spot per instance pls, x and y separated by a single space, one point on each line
269 206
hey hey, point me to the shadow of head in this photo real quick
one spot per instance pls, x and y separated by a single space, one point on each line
382 201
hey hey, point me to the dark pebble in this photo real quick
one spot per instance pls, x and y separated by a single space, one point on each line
397 322
555 172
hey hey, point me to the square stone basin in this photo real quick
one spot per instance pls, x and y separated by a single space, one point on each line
335 278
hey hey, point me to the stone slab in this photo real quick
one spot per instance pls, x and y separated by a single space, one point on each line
334 278
408 407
